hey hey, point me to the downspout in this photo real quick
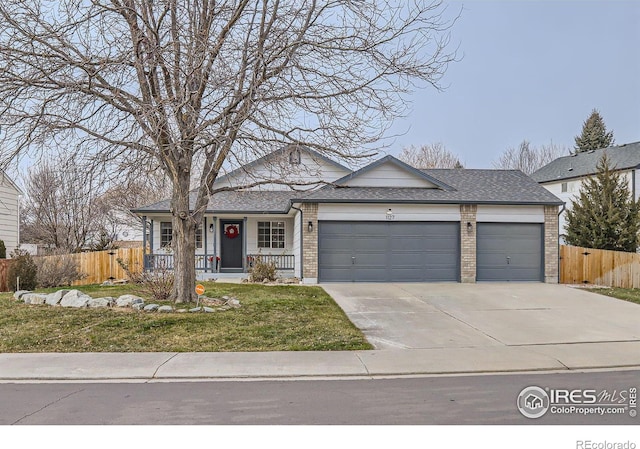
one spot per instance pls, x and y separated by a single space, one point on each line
301 240
560 213
633 184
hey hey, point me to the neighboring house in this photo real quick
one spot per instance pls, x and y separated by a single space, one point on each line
9 213
387 222
564 176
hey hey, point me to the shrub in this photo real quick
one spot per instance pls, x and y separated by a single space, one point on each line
156 284
56 271
3 250
262 270
22 267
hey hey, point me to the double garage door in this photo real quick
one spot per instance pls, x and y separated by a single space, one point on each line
350 251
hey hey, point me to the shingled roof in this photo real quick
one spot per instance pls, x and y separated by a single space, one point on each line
621 157
249 201
469 186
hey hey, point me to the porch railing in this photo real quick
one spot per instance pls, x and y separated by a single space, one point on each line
153 262
284 262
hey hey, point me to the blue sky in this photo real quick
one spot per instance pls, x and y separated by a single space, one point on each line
531 70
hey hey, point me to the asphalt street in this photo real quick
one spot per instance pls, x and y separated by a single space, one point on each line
479 399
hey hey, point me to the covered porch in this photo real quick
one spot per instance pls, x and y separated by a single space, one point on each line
227 246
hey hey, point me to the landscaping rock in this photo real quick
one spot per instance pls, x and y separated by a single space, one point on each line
138 306
181 311
53 299
75 298
208 310
107 301
195 309
128 300
290 280
18 295
165 309
34 298
223 308
233 303
151 307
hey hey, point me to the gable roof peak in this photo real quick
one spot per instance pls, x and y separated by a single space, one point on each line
389 159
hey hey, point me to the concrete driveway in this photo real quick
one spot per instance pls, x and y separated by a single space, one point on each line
439 315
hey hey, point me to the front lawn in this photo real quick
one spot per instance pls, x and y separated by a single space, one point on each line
628 294
272 318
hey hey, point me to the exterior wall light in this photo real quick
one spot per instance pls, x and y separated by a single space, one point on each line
389 212
211 227
469 226
310 226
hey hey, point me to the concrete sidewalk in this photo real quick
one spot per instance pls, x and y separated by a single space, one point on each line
270 365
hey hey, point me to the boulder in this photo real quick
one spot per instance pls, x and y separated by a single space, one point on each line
18 295
165 309
208 310
101 302
75 298
138 306
151 307
195 309
233 303
34 298
128 300
53 299
182 310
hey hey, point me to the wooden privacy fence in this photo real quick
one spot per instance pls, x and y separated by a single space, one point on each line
4 269
98 266
599 267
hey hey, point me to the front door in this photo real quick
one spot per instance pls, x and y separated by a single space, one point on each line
231 245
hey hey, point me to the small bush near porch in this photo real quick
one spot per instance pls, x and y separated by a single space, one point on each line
272 318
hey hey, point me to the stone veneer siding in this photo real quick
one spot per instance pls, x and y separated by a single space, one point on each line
551 256
309 240
468 243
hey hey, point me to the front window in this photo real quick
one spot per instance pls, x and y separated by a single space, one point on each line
166 233
199 237
271 234
564 187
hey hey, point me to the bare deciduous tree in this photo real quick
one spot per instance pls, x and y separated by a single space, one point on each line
184 80
528 159
430 156
59 208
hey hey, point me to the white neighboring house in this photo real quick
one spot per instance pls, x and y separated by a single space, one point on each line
9 213
386 222
564 176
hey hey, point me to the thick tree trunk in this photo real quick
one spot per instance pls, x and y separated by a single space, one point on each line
184 246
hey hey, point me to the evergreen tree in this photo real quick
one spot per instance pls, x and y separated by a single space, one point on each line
3 250
594 134
604 216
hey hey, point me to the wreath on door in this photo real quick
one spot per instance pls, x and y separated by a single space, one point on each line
231 231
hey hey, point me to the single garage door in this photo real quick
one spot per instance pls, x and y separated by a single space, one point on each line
388 251
509 252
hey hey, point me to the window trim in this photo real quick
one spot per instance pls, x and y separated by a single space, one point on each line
273 236
164 225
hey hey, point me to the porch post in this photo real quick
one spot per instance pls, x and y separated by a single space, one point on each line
244 245
215 267
205 231
144 242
